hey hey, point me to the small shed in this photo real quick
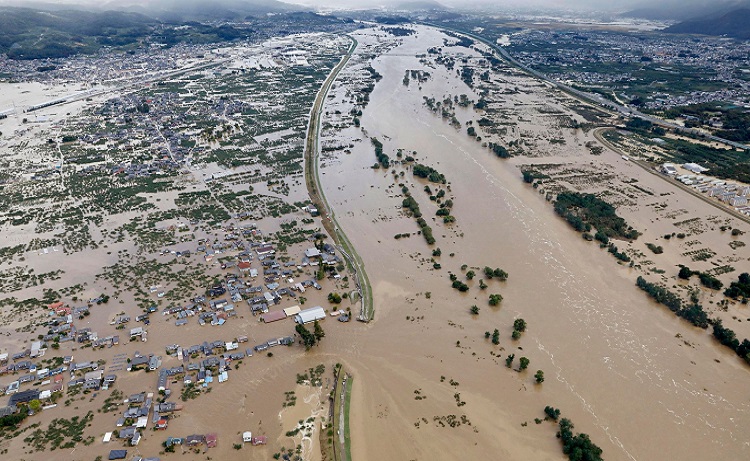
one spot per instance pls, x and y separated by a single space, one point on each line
107 437
310 315
118 454
247 437
312 253
193 440
211 440
273 316
260 440
292 310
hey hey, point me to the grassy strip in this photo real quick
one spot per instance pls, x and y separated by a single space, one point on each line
347 407
336 412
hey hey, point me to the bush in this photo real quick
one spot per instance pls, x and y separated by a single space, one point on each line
709 281
577 447
685 273
552 413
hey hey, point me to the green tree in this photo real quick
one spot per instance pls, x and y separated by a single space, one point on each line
552 412
308 339
482 285
474 310
318 332
500 274
509 360
577 447
35 405
539 376
523 363
470 275
516 335
496 337
519 324
495 299
334 298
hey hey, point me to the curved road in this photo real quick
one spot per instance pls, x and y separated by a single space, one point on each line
735 214
312 179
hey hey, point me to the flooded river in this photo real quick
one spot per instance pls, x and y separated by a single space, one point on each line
613 361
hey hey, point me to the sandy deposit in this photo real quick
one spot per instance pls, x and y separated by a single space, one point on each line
611 357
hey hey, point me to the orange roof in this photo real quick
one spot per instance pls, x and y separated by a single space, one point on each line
56 305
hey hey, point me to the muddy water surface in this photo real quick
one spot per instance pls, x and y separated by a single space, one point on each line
611 359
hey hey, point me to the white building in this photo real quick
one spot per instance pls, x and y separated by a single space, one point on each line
669 169
738 201
694 167
310 315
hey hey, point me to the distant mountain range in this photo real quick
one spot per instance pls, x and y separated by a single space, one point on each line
170 10
29 33
734 24
202 10
681 10
40 33
730 18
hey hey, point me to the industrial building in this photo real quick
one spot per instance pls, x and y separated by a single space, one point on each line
310 315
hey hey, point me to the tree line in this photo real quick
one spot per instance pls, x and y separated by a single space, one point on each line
695 314
582 211
382 157
429 173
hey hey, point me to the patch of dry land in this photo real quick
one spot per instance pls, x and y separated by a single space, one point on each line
640 381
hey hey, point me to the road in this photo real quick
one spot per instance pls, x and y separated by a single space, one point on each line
603 103
646 166
328 217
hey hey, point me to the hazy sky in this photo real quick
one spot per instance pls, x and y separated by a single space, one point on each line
589 4
599 5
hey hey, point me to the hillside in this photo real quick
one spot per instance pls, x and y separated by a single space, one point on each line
40 33
202 10
679 10
734 24
29 34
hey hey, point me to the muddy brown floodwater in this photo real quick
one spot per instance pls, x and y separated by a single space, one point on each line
611 359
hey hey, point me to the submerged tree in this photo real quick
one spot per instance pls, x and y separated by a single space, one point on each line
495 299
318 332
308 339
